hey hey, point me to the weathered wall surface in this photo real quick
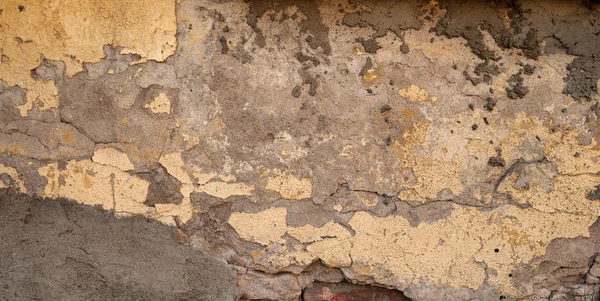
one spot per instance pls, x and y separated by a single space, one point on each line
449 150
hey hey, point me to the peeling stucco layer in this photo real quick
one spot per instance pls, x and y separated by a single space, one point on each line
453 252
74 32
446 149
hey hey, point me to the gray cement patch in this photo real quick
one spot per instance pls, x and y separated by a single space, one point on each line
59 250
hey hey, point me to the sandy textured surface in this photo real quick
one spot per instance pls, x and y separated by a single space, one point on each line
448 150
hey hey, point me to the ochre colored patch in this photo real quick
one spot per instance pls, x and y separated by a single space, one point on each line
391 249
112 157
288 186
161 104
263 227
14 176
75 32
416 94
94 184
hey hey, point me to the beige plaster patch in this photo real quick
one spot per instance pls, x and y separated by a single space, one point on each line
174 164
45 92
93 184
75 32
310 233
193 180
288 186
15 177
263 227
113 157
416 94
183 212
161 104
199 181
224 190
433 175
390 250
567 195
560 145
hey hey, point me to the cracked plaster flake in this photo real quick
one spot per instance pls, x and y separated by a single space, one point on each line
453 251
289 186
469 235
107 185
221 188
390 249
113 157
14 175
93 184
57 35
161 104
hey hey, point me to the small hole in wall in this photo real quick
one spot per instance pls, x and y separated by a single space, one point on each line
510 275
496 250
502 298
21 8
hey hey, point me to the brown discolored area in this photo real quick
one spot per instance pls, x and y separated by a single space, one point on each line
164 188
350 292
317 32
384 16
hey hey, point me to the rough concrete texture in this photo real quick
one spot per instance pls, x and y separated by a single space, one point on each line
59 250
448 150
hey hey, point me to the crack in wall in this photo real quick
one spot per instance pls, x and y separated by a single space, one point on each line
424 137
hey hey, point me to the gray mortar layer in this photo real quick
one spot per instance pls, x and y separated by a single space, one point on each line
59 250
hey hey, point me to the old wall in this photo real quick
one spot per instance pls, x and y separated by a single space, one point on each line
449 150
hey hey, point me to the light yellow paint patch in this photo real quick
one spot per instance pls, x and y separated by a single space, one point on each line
45 92
329 251
466 237
93 184
263 227
568 194
167 213
560 146
390 250
195 180
74 32
433 176
113 157
432 173
174 164
370 76
188 174
416 94
288 186
309 233
15 177
161 104
224 190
